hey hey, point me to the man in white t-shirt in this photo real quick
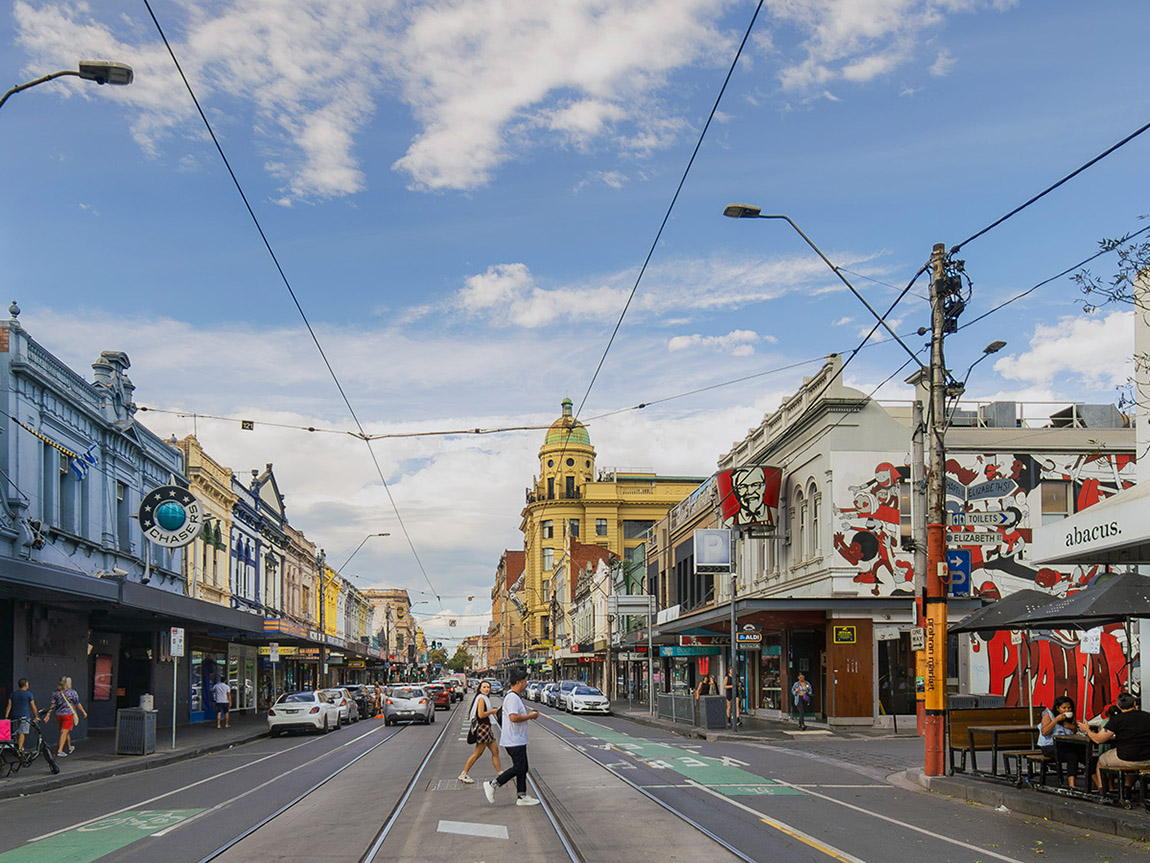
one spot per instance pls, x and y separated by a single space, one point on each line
222 696
513 736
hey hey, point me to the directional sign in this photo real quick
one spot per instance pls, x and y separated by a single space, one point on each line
972 537
989 518
958 564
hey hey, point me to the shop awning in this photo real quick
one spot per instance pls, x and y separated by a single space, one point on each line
1113 531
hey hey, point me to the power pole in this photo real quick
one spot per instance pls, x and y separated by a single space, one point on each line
934 601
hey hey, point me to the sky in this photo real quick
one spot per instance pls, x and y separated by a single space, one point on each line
462 195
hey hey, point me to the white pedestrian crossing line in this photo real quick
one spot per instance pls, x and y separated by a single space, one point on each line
470 828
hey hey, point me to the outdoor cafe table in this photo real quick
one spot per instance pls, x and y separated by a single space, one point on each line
1087 756
995 731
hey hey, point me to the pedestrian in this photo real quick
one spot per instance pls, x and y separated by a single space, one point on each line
729 691
481 713
65 704
514 738
21 707
706 686
222 696
378 699
801 693
1129 731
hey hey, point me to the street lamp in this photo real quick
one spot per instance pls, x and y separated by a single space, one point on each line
749 211
358 547
100 71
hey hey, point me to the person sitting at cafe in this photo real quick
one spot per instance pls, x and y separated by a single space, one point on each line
1129 731
1057 723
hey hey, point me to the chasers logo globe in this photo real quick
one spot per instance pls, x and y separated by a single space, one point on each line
171 516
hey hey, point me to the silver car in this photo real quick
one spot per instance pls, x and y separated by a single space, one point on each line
408 704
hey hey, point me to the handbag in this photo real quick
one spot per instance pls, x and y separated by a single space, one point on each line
473 731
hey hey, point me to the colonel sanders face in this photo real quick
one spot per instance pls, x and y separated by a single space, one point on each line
750 486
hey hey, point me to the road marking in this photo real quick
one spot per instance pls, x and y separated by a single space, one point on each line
793 832
98 838
190 785
983 851
469 828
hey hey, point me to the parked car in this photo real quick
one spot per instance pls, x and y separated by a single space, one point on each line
587 699
309 710
440 695
408 704
547 695
532 690
563 691
364 699
342 698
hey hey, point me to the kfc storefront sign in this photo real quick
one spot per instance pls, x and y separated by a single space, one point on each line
698 640
749 496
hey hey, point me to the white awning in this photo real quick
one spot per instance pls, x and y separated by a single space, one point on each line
1113 531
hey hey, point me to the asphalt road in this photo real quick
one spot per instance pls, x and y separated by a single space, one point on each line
370 792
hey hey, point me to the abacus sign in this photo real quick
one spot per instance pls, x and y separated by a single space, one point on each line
171 516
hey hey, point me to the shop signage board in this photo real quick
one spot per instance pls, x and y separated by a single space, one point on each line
744 638
170 516
845 635
695 650
722 640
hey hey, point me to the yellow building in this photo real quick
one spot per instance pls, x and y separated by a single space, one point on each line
206 559
612 508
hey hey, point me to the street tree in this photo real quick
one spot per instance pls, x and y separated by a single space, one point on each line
461 661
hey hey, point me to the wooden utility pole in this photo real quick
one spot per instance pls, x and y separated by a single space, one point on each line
934 601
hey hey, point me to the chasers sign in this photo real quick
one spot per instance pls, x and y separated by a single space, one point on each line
171 516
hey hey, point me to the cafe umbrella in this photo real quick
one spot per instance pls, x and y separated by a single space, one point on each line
1004 614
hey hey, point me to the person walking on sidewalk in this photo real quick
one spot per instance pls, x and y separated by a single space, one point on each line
514 738
21 707
222 696
729 691
65 705
706 686
481 713
801 693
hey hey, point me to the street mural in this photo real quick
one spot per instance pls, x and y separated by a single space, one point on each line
993 504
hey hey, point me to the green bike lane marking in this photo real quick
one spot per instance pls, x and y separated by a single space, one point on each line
93 840
724 775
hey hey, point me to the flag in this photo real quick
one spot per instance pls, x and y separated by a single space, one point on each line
80 463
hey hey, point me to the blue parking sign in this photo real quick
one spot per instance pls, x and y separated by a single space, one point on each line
958 564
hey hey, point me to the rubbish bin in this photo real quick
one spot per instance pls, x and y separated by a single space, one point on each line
135 731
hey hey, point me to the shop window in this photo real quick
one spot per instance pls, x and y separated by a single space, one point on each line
896 676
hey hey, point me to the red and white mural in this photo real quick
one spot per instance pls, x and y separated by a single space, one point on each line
995 502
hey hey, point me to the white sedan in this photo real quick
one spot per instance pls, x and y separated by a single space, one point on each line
308 710
342 699
587 699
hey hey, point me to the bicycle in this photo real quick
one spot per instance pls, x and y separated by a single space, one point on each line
13 758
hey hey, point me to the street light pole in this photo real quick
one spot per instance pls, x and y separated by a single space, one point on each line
100 71
357 548
321 564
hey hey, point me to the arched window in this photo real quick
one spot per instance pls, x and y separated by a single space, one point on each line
800 525
816 536
812 522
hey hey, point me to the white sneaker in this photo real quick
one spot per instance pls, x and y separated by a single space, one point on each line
489 790
467 780
527 801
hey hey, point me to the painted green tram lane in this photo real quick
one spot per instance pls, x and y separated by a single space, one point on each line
97 838
724 775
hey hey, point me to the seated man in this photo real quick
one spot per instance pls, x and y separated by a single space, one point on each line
1130 732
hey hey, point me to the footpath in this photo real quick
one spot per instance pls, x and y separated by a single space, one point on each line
893 757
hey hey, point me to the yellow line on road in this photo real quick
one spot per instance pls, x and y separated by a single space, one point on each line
793 832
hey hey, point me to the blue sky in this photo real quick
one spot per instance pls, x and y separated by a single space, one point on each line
462 193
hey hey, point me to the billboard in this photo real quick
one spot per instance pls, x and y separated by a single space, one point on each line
749 495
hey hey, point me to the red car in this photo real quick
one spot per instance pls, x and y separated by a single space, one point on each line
441 695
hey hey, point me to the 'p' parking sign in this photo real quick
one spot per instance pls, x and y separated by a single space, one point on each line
712 550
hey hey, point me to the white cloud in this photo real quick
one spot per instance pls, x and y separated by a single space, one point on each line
1097 351
861 40
942 65
739 343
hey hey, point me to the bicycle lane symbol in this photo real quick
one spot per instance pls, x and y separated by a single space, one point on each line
92 841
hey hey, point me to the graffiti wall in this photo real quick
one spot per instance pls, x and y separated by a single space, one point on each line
994 502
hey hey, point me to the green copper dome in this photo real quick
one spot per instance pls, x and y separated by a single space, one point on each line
567 429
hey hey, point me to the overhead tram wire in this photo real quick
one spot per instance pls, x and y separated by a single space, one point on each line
670 208
291 292
1065 272
1050 189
